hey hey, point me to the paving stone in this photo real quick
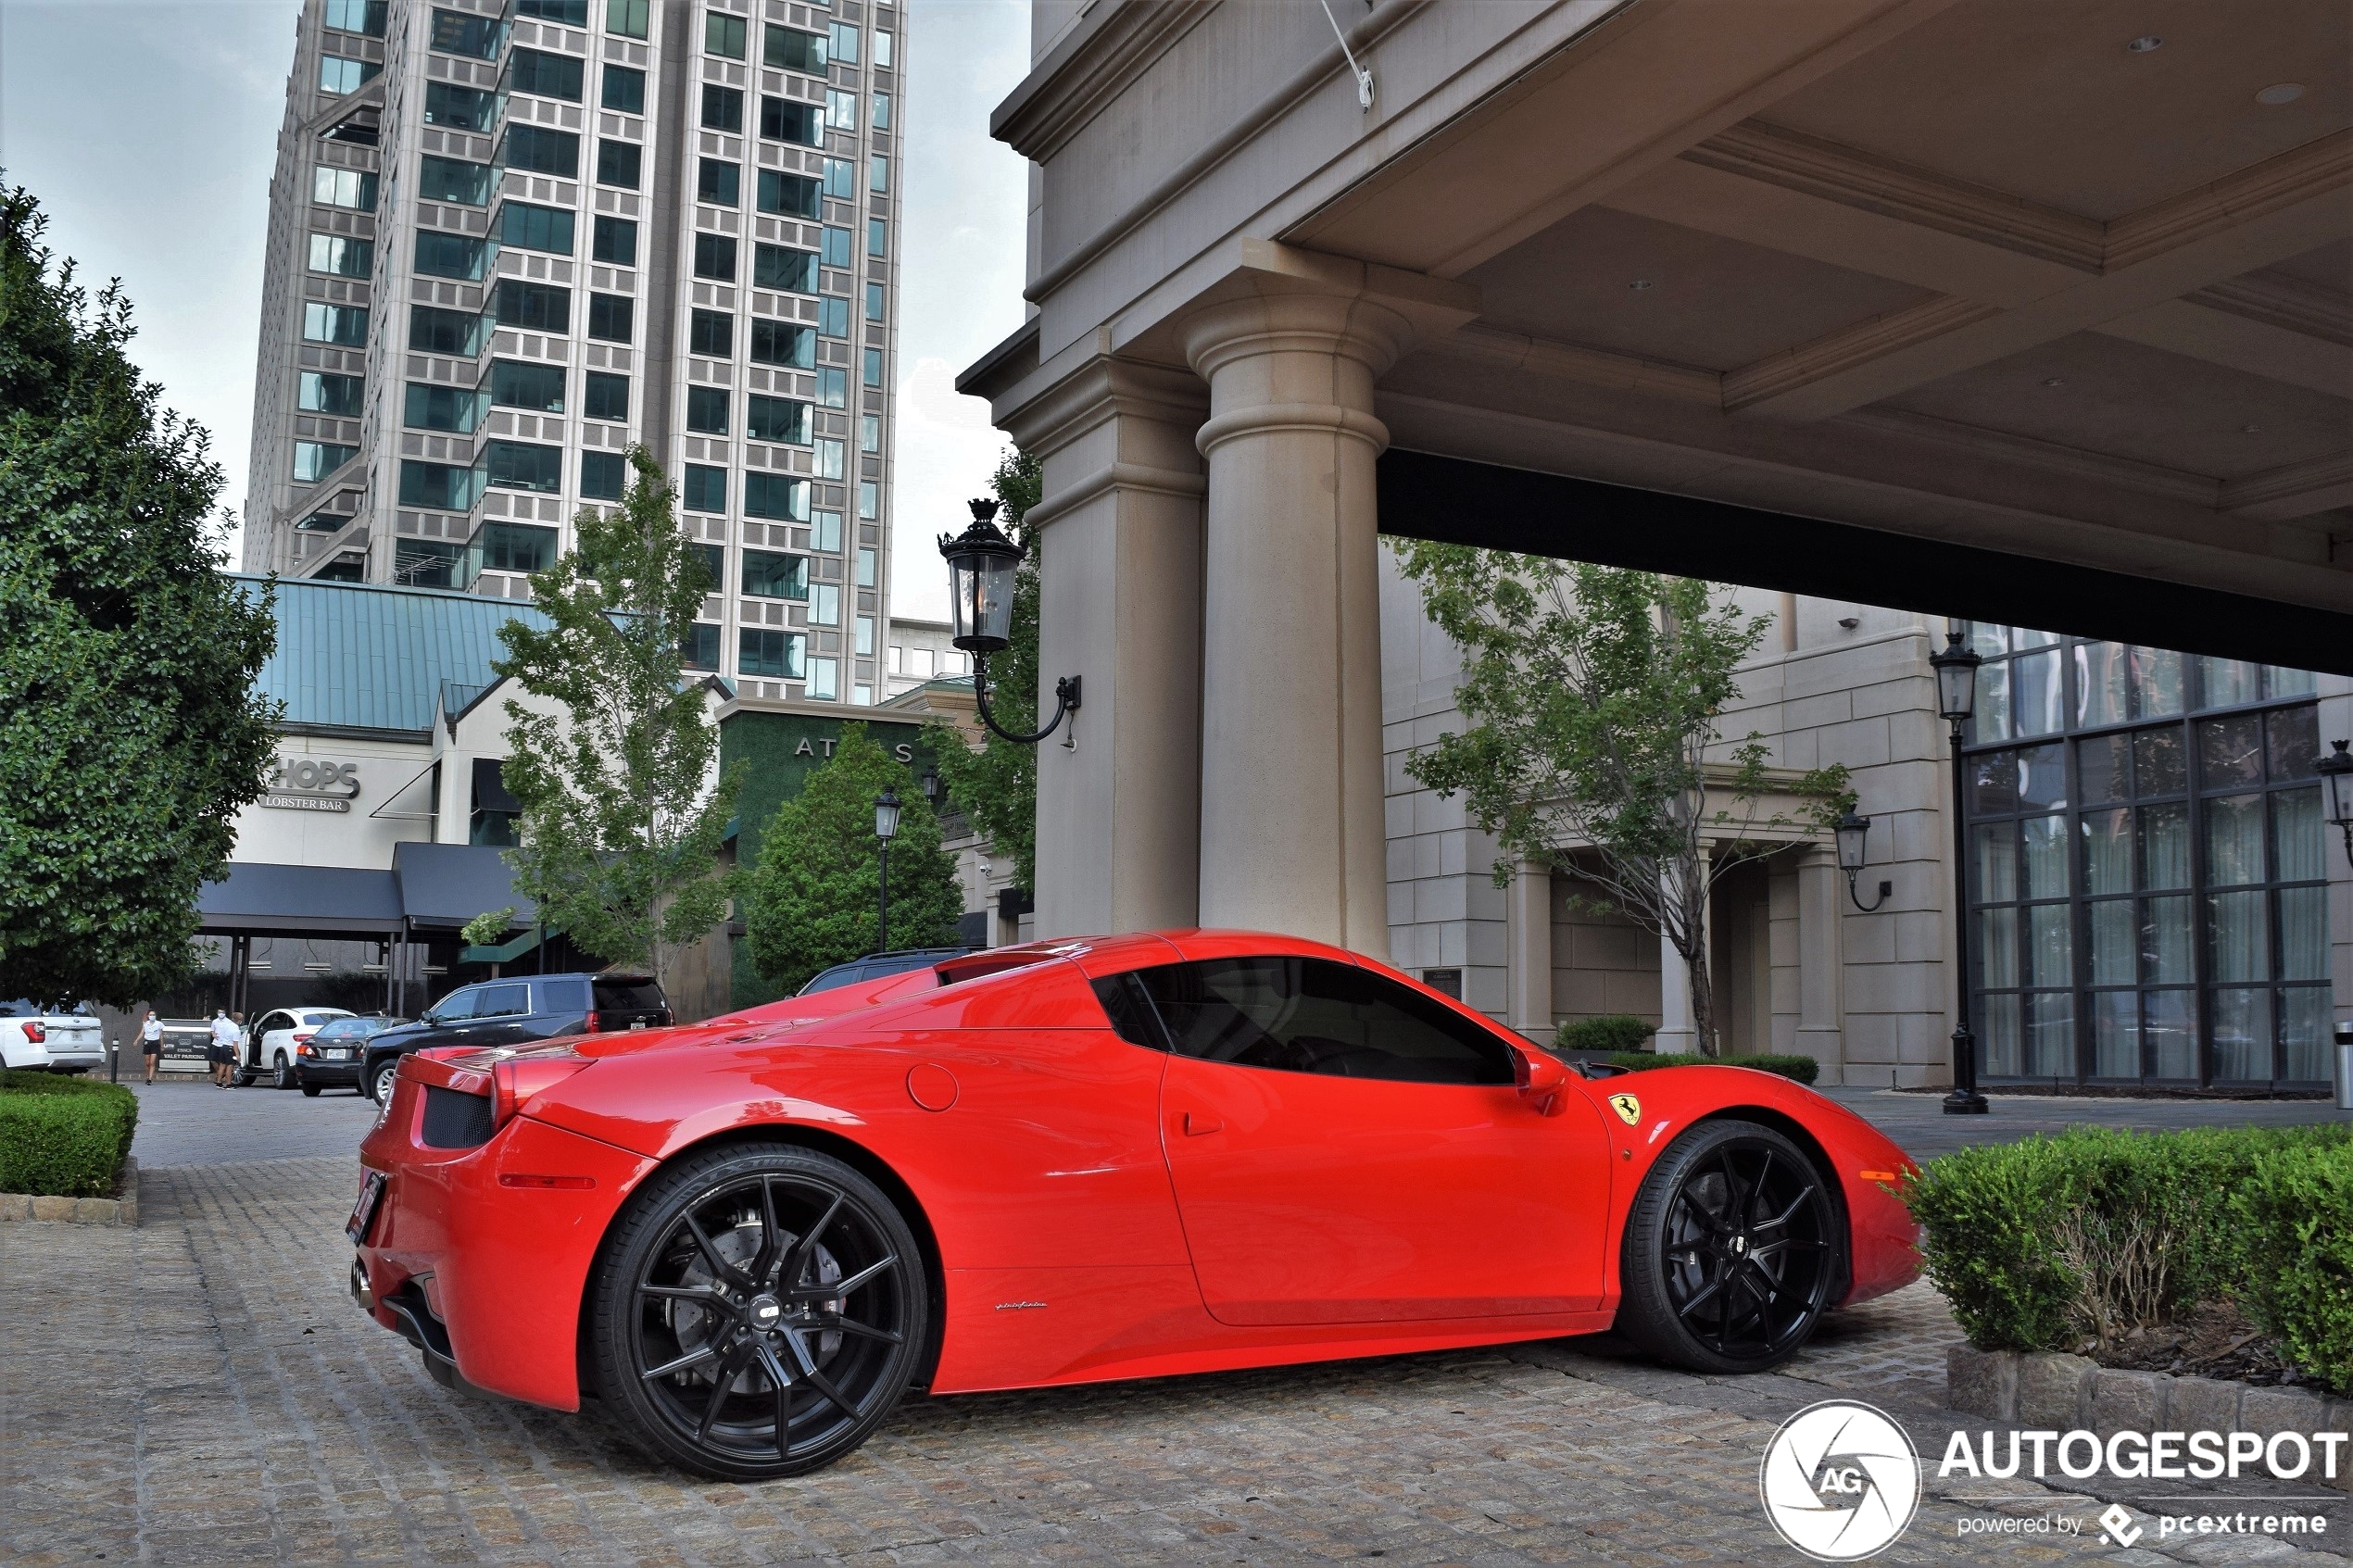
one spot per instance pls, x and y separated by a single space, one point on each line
2203 1404
2127 1402
1982 1381
2050 1391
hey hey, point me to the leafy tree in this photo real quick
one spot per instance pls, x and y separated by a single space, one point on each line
622 812
996 782
130 729
813 898
1593 695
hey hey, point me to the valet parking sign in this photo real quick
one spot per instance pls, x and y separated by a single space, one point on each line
1840 1481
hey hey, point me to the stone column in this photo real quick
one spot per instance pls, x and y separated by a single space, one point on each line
1119 533
1821 897
1291 828
1678 1030
1530 1004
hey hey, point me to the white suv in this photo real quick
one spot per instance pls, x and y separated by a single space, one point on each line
276 1043
50 1040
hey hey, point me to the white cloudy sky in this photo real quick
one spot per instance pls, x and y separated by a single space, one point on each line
148 132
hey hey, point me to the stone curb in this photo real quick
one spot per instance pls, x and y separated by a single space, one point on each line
2058 1392
123 1210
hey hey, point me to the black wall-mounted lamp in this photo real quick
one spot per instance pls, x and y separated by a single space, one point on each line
2336 785
981 566
1852 832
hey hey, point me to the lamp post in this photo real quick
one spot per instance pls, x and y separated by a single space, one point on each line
1955 667
1853 831
2336 783
885 829
981 564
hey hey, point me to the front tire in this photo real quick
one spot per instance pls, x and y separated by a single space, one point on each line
282 1074
757 1312
1732 1251
380 1081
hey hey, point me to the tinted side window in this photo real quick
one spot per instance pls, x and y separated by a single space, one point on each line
457 1005
1130 1010
1312 1015
503 1001
564 996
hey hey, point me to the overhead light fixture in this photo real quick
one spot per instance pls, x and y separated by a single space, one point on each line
2053 381
2250 430
2280 93
2146 43
1639 284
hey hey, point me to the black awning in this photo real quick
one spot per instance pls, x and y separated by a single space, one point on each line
291 900
447 885
490 786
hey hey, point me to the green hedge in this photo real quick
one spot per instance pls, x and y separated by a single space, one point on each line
1805 1069
2042 1244
1611 1032
63 1137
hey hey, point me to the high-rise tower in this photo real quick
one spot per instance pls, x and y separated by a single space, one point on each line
510 240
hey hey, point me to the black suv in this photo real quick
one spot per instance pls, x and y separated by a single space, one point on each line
509 1012
874 966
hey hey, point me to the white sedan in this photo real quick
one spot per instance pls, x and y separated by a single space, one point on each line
50 1040
277 1037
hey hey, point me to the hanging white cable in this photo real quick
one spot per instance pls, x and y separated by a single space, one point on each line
1364 77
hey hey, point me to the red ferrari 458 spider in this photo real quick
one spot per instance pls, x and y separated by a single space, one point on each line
1077 1161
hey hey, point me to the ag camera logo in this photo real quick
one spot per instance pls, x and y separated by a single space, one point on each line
1839 1480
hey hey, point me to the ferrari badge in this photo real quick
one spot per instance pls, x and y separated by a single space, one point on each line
1629 1109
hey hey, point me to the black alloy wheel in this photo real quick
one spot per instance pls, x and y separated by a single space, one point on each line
282 1072
1733 1250
758 1311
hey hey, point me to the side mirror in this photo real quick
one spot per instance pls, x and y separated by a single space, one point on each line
1542 1076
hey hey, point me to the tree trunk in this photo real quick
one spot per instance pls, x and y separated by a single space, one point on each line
1703 998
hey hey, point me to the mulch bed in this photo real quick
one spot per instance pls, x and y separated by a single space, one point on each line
2216 1340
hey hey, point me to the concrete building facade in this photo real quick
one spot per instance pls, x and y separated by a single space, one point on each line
510 239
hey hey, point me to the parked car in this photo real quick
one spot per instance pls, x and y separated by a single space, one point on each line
333 1058
274 1038
508 1013
878 966
47 1039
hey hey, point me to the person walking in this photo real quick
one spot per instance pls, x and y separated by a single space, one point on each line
222 1052
151 1042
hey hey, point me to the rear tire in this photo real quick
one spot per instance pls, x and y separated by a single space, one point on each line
282 1074
310 1091
1732 1251
757 1312
380 1080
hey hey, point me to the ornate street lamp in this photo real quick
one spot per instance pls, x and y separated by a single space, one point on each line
1955 667
981 566
2337 781
1852 832
885 829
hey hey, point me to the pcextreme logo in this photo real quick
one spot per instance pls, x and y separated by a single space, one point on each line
1839 1480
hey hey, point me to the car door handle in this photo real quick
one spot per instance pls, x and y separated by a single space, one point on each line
1197 1125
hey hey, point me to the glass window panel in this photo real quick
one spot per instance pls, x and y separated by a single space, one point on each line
2108 851
2157 682
2297 841
625 89
1997 1044
2230 751
2243 1037
2099 685
2227 683
2103 768
2050 1041
2304 933
824 678
2165 941
2035 693
772 576
2042 778
2165 846
2026 640
1990 719
2114 960
2304 1034
2045 839
616 241
2168 1021
2234 840
2279 683
1986 641
2116 1034
1994 784
2293 737
2157 764
2050 951
2237 936
1997 948
605 397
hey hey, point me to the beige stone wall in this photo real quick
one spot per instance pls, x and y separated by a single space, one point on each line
1602 962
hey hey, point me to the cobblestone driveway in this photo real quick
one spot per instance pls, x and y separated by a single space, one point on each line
201 1390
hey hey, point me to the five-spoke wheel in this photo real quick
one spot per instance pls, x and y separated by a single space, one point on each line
758 1311
1732 1251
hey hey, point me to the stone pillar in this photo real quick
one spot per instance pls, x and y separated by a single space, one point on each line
1678 1030
1821 897
1291 823
1530 1004
1118 528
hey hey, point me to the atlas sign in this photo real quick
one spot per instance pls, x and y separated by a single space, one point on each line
310 784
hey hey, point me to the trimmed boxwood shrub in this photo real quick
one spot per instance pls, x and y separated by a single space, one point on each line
1611 1032
1805 1069
63 1137
2045 1243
